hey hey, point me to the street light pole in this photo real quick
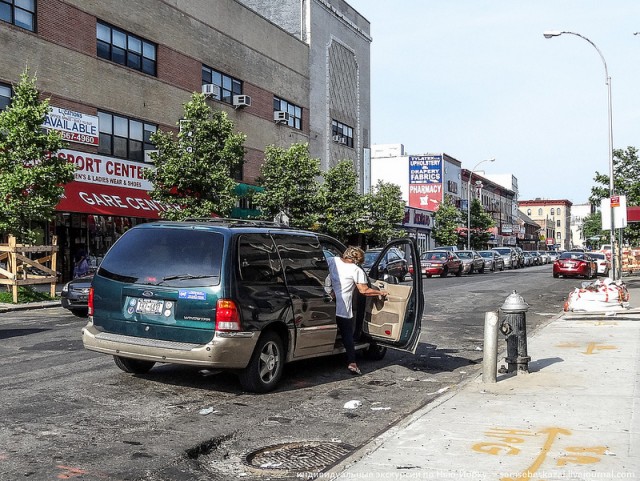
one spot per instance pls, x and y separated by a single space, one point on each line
469 201
556 33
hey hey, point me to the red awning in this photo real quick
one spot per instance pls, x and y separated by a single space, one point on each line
101 199
633 214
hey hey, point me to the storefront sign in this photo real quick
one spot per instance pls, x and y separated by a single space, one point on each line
74 126
425 181
114 201
99 169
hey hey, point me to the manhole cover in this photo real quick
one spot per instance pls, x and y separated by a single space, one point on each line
303 456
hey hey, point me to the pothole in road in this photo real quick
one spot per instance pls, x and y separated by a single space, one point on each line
309 456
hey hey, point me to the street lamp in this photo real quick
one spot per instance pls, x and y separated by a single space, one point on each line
556 33
469 201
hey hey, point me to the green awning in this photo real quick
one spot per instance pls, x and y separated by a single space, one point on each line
246 189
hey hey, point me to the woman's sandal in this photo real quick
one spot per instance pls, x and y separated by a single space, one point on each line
354 370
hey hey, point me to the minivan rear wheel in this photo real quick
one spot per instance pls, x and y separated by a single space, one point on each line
266 364
133 366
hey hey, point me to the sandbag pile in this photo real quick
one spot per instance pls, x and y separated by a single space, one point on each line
598 296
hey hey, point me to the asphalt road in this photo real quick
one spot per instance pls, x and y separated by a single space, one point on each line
67 413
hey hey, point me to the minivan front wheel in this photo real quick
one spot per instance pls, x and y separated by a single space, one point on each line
133 366
266 364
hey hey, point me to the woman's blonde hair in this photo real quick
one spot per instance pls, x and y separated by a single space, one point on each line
355 254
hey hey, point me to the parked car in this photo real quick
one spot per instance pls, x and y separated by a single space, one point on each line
602 262
471 262
553 255
508 255
544 257
244 296
528 259
520 256
446 248
393 262
573 264
75 295
492 260
440 263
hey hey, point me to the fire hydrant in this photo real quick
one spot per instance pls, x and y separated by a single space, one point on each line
514 327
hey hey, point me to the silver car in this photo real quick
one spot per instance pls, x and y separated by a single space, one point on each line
471 262
492 260
508 255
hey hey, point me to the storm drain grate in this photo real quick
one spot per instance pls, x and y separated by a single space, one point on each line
302 456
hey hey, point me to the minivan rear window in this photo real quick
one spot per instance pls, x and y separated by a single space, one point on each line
167 257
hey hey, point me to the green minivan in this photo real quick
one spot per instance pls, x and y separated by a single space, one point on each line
245 296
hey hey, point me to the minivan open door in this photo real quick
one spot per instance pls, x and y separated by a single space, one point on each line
396 321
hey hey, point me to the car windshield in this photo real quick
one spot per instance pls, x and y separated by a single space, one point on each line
503 251
167 257
465 255
370 257
434 256
486 253
596 255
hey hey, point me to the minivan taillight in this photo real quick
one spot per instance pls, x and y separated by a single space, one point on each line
90 302
227 316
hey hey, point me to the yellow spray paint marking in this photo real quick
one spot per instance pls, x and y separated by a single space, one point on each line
506 438
69 472
605 323
591 348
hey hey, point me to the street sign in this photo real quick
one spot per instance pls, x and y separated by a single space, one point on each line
615 201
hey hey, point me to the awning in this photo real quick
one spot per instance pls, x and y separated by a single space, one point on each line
88 198
633 214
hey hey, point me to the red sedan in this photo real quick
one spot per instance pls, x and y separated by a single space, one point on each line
575 264
440 263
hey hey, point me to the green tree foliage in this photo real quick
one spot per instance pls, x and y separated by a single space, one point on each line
447 218
592 231
289 177
385 209
195 170
626 181
343 208
480 223
32 177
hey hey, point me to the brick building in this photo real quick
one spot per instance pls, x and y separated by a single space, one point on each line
115 72
554 217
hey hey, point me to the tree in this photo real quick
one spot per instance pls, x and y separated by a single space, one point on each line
592 230
385 209
290 186
32 176
195 170
343 207
447 219
626 180
480 224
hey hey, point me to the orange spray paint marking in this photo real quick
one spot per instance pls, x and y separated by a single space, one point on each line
69 472
592 346
528 473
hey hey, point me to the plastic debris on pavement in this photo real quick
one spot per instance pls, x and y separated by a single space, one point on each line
206 411
598 296
353 404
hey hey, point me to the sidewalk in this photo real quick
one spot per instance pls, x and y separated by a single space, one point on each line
576 415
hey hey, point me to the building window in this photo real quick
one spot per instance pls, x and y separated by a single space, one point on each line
126 49
557 223
342 132
558 211
528 211
21 13
553 211
295 112
540 211
559 235
123 137
5 96
227 86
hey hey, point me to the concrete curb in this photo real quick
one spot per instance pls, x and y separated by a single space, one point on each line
28 306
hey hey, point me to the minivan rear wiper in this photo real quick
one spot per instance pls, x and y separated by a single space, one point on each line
186 276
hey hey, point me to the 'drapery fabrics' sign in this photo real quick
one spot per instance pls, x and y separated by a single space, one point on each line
74 126
425 181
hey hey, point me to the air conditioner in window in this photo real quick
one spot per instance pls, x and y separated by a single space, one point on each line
241 101
211 90
340 139
147 155
280 117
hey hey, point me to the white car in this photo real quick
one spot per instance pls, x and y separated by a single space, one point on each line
602 262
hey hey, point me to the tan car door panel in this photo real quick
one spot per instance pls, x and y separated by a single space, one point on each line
385 318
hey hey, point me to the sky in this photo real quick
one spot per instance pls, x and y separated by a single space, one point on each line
476 79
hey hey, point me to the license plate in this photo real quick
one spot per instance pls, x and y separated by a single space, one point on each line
82 298
149 306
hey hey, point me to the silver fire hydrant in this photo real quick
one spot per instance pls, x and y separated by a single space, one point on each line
514 327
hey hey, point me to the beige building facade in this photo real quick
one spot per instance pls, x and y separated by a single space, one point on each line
554 218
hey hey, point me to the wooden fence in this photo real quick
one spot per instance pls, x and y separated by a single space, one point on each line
22 265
